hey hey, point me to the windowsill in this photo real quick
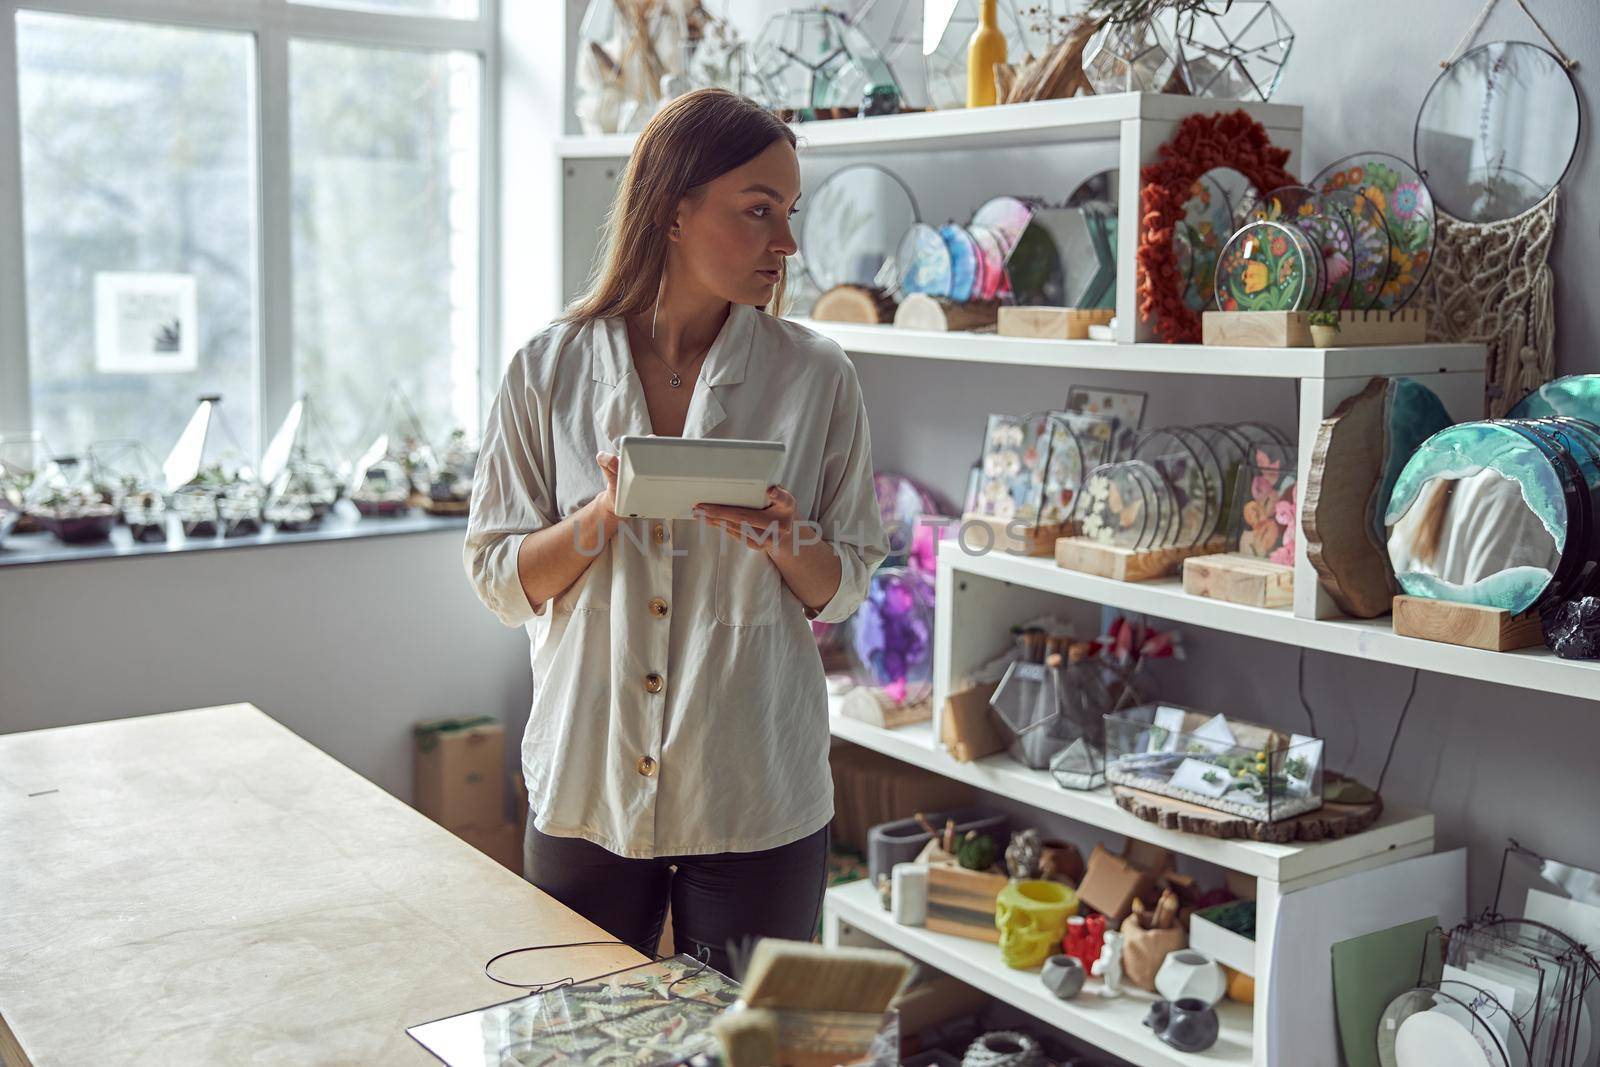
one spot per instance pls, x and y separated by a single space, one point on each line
341 524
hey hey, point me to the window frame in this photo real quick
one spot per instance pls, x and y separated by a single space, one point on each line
273 23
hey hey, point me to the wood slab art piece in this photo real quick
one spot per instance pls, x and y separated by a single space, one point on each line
919 311
962 902
1239 579
1346 467
1331 821
1088 556
854 303
1293 329
1066 324
1472 625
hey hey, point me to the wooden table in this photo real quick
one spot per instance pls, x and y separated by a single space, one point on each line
205 887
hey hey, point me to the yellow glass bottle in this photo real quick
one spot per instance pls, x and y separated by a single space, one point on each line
987 47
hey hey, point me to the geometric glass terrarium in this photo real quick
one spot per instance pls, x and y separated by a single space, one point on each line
1128 57
813 59
1239 53
450 489
300 470
1226 764
62 499
398 458
626 48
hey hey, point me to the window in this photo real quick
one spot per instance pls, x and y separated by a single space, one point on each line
138 160
276 197
384 149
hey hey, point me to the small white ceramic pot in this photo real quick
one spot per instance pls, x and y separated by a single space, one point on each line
1063 976
908 889
1187 974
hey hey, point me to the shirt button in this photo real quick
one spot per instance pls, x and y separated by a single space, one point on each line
658 607
652 682
646 766
658 533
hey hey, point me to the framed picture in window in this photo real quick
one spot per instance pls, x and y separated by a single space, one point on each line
145 323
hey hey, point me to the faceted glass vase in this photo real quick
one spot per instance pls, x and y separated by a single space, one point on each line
1238 54
1131 57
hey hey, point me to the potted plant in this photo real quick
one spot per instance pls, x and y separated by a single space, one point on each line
1324 328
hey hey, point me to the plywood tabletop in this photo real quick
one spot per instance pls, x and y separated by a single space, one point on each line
206 887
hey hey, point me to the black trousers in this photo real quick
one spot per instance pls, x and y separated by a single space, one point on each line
728 898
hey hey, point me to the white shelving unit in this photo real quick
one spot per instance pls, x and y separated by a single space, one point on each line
980 596
1139 122
1112 1025
1115 1025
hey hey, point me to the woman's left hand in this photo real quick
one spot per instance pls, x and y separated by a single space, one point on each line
766 529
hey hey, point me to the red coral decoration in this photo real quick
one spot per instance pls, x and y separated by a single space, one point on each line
1232 140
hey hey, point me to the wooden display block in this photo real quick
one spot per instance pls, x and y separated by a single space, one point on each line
1068 324
919 311
1466 624
1027 540
1292 329
962 902
1239 579
1127 564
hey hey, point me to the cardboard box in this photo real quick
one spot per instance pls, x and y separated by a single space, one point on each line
458 772
499 842
1111 883
967 727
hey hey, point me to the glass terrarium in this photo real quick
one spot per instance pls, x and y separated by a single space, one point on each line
1054 712
61 498
208 452
814 61
196 508
1238 53
396 435
239 509
450 488
382 488
20 456
299 470
1138 56
144 512
121 467
1229 765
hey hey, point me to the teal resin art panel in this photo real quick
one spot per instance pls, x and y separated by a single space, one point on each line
1461 452
1577 395
1412 414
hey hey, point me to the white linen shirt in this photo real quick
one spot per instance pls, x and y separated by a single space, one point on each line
679 704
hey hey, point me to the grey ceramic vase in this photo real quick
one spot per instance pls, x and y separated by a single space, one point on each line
1063 976
1188 1025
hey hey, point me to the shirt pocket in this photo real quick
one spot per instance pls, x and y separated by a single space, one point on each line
749 589
591 593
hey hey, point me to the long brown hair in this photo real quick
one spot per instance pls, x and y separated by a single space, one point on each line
697 137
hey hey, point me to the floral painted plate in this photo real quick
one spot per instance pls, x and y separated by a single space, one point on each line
1115 507
1078 444
1398 191
1198 238
1266 266
1369 237
1285 203
1267 495
1330 236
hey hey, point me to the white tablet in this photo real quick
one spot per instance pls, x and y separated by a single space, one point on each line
665 477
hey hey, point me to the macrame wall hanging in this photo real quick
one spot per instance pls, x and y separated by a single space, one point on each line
1491 281
1491 284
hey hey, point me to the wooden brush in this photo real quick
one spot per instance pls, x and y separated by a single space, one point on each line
803 975
749 1038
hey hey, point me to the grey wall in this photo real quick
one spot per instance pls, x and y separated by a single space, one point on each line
347 643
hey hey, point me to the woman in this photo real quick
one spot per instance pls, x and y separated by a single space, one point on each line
680 714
